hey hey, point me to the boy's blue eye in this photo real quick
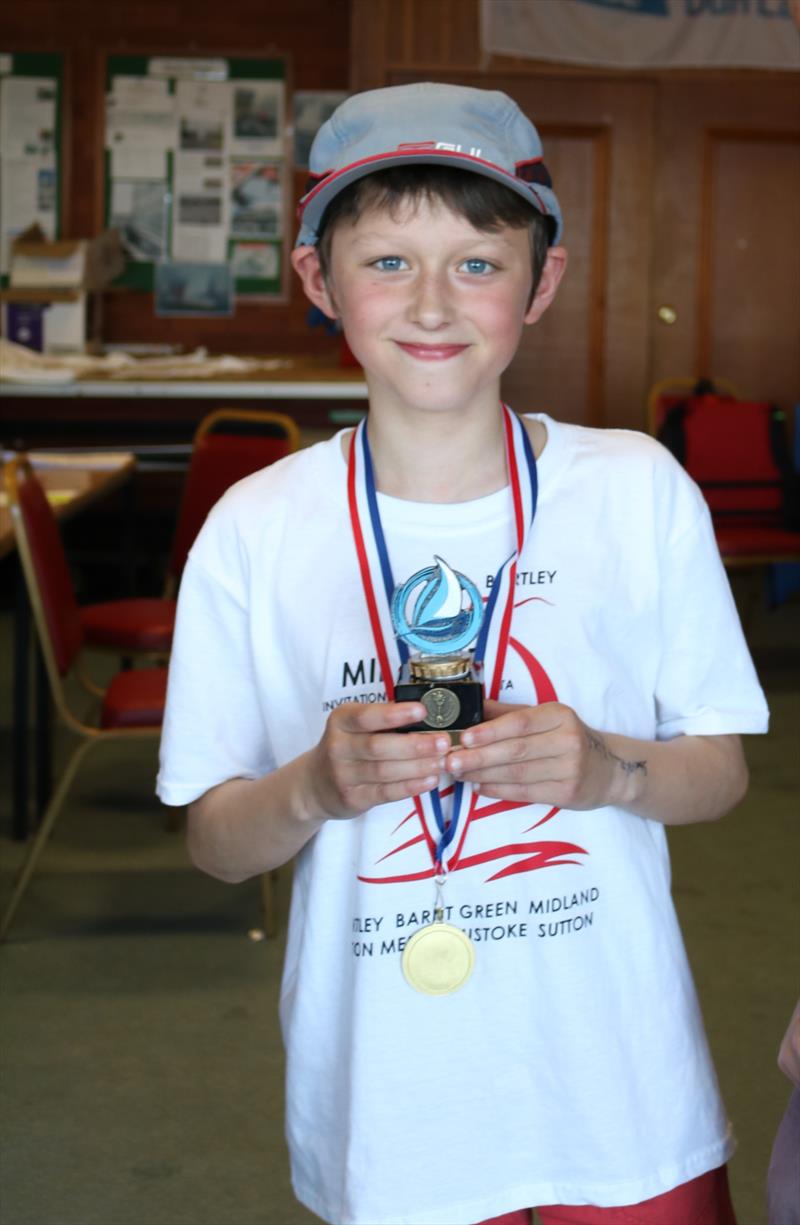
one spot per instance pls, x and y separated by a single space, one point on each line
478 267
389 263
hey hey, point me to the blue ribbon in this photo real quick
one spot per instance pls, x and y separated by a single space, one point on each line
446 830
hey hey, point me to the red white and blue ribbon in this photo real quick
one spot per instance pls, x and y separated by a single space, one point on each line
378 584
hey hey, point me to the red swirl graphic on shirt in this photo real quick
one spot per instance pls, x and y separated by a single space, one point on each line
509 858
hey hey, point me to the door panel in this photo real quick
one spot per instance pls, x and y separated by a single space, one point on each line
751 327
727 220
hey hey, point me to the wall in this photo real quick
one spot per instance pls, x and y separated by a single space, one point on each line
313 34
679 191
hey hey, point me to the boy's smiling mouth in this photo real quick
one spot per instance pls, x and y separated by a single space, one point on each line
430 353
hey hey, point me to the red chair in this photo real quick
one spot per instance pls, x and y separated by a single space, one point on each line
229 444
132 705
737 451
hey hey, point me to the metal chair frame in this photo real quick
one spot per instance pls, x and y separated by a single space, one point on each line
90 735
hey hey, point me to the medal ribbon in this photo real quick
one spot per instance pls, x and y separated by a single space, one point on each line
373 558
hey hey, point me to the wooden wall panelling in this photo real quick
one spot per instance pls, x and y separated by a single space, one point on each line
675 192
424 36
748 324
726 216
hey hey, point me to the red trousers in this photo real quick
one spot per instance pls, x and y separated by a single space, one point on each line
703 1201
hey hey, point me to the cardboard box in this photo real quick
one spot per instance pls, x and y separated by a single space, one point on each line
47 301
48 327
67 264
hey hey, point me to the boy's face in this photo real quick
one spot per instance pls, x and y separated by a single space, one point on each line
431 307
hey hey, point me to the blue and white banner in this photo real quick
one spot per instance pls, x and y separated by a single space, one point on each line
646 33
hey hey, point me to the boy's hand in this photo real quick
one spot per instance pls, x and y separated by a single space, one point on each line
542 755
359 763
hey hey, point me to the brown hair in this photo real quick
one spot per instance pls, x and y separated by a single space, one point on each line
483 202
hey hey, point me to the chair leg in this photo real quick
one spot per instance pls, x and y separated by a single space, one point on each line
268 880
42 835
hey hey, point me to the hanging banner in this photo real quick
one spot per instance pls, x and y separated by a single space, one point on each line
645 33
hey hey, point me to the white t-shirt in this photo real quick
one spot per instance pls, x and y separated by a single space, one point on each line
572 1067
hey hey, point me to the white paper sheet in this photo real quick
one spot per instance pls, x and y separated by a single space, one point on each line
139 211
27 195
203 115
140 112
135 162
311 108
257 199
200 207
27 117
257 118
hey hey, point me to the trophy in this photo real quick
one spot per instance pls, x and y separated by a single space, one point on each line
438 613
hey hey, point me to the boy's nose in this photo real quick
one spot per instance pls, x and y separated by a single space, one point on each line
430 305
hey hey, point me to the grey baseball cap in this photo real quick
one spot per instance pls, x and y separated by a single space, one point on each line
481 130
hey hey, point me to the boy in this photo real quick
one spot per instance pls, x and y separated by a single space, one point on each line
486 1002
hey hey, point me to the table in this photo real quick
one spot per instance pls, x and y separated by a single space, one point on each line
73 483
318 395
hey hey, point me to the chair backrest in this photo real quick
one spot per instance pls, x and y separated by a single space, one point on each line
736 450
665 394
229 444
44 565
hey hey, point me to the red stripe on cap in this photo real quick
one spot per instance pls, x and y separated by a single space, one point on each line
411 153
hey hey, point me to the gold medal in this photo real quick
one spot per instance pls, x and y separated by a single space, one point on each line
442 705
438 959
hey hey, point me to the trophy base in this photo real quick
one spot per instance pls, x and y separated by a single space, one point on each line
453 703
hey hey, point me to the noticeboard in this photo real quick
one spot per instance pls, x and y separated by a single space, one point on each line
197 177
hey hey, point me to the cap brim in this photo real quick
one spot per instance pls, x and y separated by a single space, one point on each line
314 203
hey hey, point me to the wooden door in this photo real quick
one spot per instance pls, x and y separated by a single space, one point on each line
726 263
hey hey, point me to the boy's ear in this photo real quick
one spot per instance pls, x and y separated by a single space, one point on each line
554 268
307 266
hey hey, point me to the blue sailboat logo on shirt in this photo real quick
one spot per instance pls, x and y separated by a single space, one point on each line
428 610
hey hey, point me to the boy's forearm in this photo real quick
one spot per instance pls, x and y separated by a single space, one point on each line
247 826
677 782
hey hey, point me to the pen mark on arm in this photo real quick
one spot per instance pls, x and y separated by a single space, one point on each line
628 767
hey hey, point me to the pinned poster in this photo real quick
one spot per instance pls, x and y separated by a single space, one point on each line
140 113
311 109
30 147
197 167
257 118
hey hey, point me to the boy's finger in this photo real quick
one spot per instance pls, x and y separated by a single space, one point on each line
371 794
520 773
361 717
376 772
505 722
411 746
503 756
